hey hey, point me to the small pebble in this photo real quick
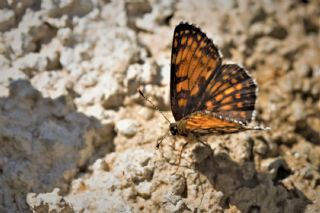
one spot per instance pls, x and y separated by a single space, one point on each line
127 127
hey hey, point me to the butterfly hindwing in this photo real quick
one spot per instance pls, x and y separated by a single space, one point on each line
206 122
194 62
231 94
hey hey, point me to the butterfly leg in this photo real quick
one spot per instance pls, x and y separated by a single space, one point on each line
180 155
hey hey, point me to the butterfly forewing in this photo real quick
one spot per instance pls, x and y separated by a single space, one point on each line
194 61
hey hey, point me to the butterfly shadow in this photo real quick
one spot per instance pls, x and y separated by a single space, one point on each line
248 189
307 132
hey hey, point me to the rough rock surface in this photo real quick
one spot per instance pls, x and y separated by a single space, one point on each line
76 137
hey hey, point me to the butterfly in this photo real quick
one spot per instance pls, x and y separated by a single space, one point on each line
207 96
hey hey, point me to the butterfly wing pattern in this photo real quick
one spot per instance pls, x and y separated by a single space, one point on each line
194 61
206 96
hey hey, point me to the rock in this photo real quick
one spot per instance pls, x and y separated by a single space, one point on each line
261 146
138 166
149 72
174 204
138 75
52 84
49 202
106 190
66 57
115 13
107 92
135 9
23 90
307 172
113 93
160 12
144 189
201 152
4 62
60 23
259 15
127 127
131 81
65 36
278 32
146 113
39 128
178 184
71 7
31 30
277 167
7 19
18 7
82 62
264 195
31 63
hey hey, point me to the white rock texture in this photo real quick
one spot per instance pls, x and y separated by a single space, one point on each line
127 127
75 136
43 143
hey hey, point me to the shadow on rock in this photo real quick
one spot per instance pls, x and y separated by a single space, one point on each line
44 143
307 131
249 190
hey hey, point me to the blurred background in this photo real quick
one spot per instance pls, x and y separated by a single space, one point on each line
76 137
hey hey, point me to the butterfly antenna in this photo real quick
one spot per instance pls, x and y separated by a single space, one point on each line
154 106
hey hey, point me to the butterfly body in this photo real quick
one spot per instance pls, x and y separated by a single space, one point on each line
207 96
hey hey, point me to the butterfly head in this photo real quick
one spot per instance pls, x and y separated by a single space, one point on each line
174 129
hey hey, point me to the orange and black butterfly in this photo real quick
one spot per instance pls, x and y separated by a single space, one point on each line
207 96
